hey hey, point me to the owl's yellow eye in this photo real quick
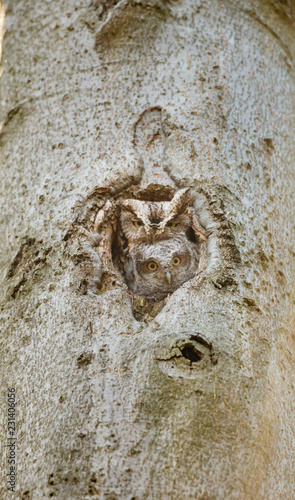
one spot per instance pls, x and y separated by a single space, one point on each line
152 266
176 261
137 223
172 224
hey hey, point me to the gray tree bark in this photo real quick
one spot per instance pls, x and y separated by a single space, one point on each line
107 406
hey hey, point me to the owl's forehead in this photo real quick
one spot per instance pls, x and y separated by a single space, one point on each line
148 211
154 209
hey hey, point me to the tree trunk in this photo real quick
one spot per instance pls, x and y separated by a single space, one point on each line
104 407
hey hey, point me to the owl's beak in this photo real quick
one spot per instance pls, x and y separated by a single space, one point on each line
169 278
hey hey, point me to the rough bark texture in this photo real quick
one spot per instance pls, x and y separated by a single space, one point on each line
109 407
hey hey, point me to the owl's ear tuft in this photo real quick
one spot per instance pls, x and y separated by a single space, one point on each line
127 205
181 200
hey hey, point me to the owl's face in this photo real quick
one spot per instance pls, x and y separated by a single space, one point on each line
154 271
143 221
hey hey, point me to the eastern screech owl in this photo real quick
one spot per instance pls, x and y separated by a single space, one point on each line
154 244
155 270
144 221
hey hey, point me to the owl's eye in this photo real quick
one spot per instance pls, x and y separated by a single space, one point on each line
152 266
137 223
171 224
176 261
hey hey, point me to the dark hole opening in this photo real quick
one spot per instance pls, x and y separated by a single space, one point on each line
190 352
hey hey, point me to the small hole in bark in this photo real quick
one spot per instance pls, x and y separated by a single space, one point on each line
190 352
51 480
84 359
26 495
